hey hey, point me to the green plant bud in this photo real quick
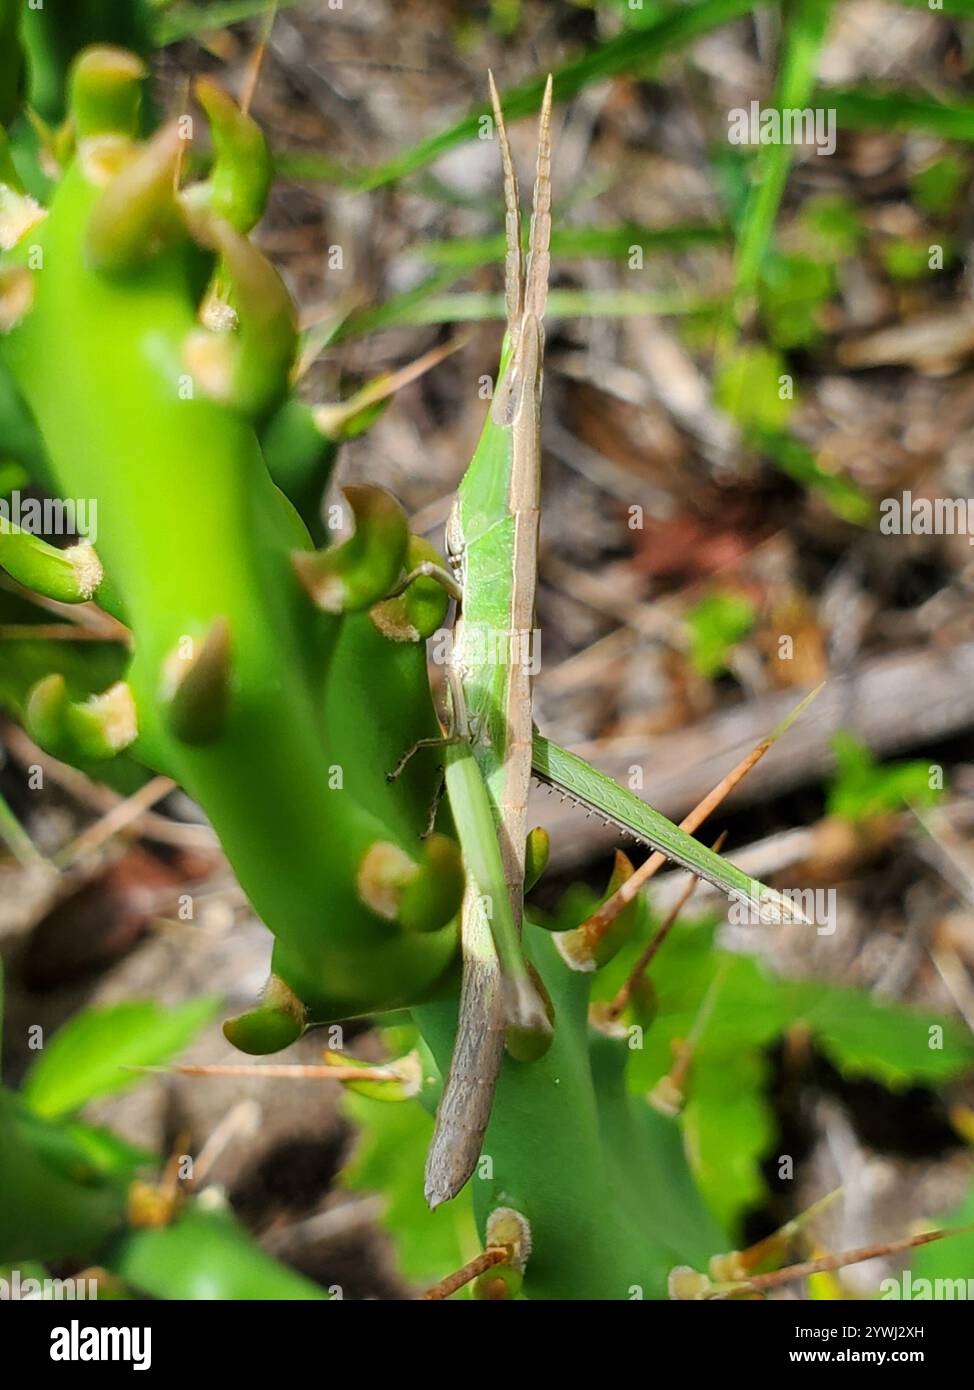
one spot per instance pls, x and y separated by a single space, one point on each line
106 92
240 178
68 576
277 1022
420 896
199 702
537 850
433 895
96 728
357 573
419 610
137 212
247 365
530 1014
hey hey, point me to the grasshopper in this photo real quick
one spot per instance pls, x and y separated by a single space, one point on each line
493 748
492 545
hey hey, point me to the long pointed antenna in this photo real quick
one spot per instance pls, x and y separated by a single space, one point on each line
513 261
539 258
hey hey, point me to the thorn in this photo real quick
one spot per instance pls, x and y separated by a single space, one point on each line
280 1071
760 1283
740 1264
486 1260
338 420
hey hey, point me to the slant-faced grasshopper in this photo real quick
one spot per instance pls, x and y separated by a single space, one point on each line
492 542
492 748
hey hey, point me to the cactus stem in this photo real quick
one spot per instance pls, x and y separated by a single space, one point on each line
682 1286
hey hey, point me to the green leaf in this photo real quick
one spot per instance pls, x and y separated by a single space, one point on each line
949 1259
938 188
389 1157
791 294
907 259
863 788
874 108
717 623
205 1254
185 21
829 228
802 38
109 1154
748 386
729 1127
886 1042
470 253
86 1057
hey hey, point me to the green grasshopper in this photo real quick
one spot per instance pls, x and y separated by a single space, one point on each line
492 544
493 749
